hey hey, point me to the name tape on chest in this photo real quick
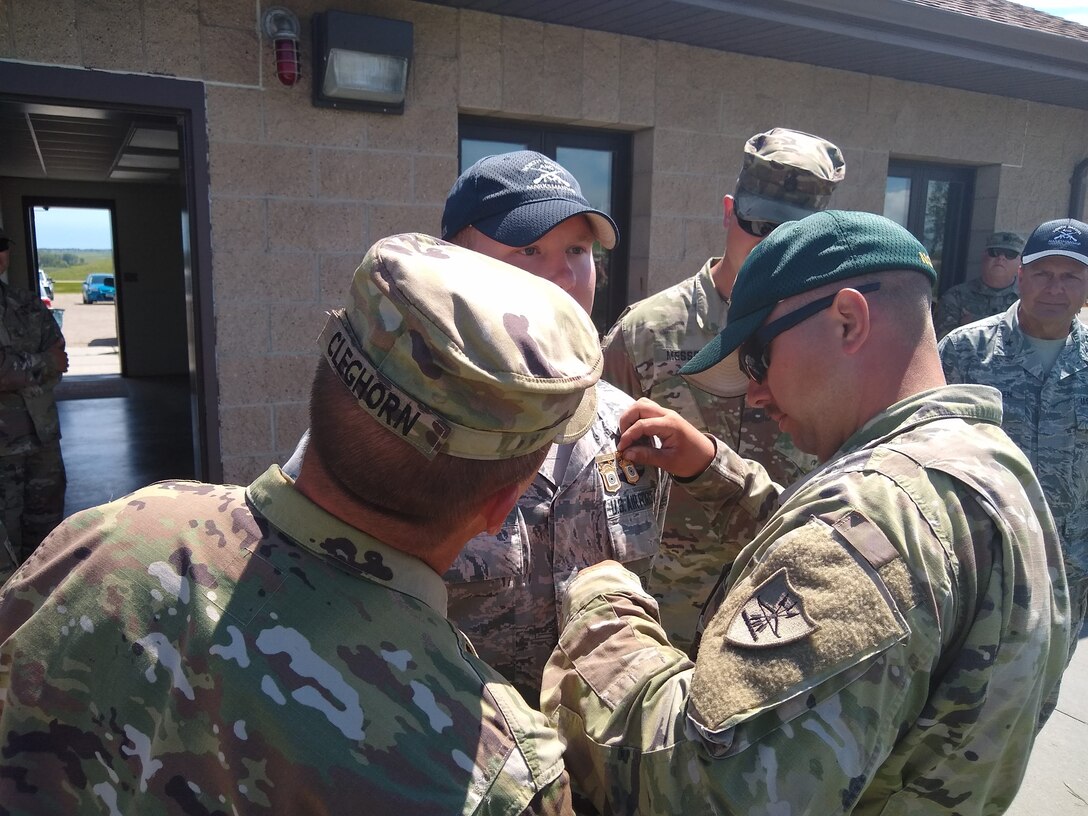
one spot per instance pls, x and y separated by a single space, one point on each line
384 401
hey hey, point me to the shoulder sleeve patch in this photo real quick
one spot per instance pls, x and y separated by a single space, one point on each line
813 609
773 616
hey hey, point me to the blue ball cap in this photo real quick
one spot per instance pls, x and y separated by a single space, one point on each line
514 198
1065 236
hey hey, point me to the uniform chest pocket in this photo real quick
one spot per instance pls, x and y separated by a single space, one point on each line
491 563
631 515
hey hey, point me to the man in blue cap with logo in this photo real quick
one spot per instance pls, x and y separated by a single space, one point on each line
1036 354
585 504
847 662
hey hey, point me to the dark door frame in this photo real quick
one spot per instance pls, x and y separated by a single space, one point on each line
184 100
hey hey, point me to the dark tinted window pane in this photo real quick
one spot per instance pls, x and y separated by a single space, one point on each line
472 150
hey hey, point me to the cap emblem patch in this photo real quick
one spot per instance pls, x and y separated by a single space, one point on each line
547 174
773 615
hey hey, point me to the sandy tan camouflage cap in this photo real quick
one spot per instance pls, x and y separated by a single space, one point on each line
1005 240
462 354
787 175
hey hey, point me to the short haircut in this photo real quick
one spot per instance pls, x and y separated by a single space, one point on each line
388 475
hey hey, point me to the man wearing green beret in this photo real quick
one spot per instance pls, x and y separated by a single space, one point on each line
885 643
991 293
785 175
283 648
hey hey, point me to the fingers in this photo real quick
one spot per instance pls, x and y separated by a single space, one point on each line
640 408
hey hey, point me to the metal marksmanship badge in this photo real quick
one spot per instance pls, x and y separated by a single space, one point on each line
606 466
772 616
630 472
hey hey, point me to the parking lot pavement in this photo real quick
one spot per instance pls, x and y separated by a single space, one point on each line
1057 778
90 336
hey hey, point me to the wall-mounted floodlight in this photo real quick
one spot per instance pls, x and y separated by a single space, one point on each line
360 62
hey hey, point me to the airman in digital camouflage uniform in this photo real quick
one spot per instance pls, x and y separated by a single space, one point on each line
786 175
1036 354
886 642
991 293
585 504
32 358
283 648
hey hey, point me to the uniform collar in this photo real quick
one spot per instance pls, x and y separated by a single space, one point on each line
1009 341
976 403
273 495
982 288
710 306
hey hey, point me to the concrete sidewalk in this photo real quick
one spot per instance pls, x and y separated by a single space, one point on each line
1057 779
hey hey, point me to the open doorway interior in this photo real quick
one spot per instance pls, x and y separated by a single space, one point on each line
121 292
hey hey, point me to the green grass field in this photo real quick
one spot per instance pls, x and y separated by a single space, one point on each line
67 279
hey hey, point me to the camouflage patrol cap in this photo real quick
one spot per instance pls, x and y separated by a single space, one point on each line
1005 240
833 245
462 354
786 175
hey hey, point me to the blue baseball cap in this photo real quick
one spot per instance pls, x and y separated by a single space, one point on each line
1064 236
514 198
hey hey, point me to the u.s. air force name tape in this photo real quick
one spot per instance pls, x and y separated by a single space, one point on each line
405 416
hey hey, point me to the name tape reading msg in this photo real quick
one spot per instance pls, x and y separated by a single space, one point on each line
400 413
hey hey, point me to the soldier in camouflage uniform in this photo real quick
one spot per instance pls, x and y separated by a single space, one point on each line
32 358
848 661
1036 354
786 175
991 293
584 505
283 648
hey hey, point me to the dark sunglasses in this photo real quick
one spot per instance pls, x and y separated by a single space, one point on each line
5 244
1005 253
757 229
755 356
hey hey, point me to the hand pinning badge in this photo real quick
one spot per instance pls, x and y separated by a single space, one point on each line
610 465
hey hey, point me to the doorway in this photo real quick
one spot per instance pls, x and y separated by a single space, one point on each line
136 147
933 202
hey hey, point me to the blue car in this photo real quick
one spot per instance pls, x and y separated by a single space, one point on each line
98 287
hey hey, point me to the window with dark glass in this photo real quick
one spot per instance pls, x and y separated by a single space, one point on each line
933 201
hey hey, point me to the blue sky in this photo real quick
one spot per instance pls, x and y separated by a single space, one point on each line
72 228
1074 10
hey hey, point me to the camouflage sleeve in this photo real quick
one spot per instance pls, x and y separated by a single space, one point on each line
737 494
8 561
51 334
553 799
618 366
953 372
949 309
741 731
20 369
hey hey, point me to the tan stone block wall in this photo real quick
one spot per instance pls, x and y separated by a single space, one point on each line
298 193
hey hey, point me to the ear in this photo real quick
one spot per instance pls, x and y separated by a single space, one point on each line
727 209
851 311
498 505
